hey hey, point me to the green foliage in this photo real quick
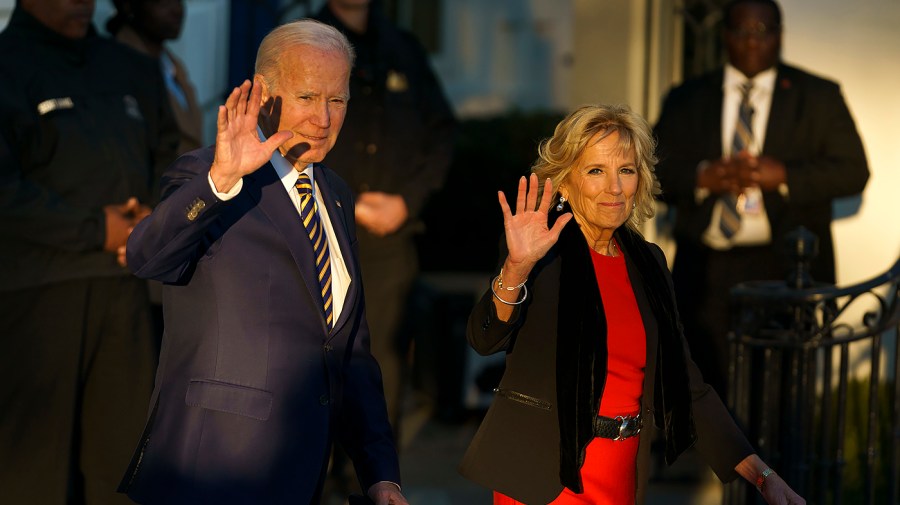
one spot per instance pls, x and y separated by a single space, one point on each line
855 438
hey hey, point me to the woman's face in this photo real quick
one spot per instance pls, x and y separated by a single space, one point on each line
601 187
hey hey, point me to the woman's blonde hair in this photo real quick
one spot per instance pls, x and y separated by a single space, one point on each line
557 155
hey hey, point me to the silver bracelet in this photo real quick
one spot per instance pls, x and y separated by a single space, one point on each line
499 280
524 292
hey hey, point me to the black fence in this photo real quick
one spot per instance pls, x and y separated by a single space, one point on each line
815 383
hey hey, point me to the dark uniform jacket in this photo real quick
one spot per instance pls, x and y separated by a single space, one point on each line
83 124
398 135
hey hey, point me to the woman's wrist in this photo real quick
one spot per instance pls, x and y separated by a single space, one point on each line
517 291
514 274
508 286
761 479
751 467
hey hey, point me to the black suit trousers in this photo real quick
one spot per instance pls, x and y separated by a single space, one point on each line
702 287
389 268
77 364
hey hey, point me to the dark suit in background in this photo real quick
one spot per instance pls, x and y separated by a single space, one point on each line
810 128
810 137
145 26
84 127
397 140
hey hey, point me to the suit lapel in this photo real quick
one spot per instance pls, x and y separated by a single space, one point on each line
337 215
712 114
276 204
784 102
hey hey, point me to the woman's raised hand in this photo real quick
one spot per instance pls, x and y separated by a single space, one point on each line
528 237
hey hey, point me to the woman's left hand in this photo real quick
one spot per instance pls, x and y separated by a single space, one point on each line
773 488
777 492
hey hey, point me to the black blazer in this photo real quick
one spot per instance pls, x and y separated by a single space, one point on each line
809 129
517 448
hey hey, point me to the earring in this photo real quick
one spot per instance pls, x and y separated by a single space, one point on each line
559 206
633 205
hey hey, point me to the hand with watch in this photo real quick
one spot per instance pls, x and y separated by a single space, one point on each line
772 487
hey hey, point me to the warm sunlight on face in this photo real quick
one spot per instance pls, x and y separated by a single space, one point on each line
601 187
313 85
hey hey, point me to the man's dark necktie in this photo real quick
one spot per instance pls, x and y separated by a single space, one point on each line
309 214
730 221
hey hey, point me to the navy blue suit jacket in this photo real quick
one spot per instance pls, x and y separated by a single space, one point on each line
252 387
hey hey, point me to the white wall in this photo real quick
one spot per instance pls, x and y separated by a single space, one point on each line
626 51
857 44
609 53
6 7
505 54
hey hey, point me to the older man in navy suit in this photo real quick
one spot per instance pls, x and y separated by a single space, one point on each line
747 154
265 359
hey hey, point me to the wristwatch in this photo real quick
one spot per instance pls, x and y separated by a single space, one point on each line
762 478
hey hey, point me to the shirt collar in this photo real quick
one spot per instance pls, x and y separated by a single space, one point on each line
763 82
285 169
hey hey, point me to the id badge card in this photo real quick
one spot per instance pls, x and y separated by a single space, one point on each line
750 201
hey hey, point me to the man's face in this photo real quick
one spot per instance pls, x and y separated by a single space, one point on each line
753 38
309 98
69 18
160 19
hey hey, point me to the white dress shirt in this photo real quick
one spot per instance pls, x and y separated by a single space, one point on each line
340 277
755 229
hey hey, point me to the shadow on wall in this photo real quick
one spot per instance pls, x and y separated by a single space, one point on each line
847 206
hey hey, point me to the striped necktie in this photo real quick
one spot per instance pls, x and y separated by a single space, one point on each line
730 221
309 214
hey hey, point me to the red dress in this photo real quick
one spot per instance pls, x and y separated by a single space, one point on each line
608 473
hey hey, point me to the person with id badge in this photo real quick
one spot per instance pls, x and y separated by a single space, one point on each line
748 153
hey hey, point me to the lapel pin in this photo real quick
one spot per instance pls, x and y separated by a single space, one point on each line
338 203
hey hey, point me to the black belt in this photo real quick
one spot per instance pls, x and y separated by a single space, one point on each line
618 428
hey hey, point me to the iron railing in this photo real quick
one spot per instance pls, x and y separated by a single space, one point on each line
815 382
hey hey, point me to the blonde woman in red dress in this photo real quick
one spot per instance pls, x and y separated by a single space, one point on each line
584 310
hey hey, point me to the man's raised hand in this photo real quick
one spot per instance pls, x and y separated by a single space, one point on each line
238 148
